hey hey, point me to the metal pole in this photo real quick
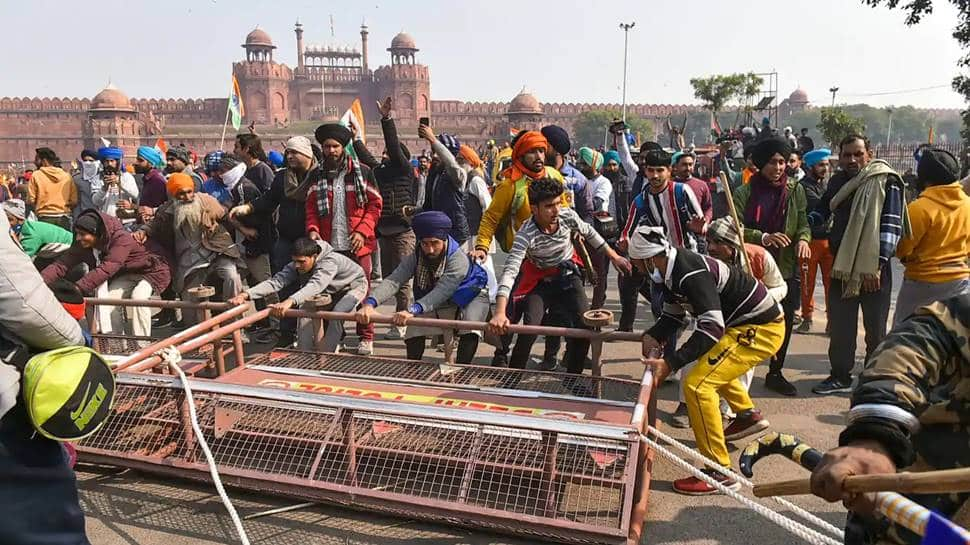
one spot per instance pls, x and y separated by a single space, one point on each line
626 40
889 131
833 90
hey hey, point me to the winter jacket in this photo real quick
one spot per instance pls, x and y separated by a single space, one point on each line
106 199
215 236
939 248
913 398
361 220
508 211
445 191
34 235
796 226
291 213
28 309
813 194
578 186
119 253
261 175
332 273
395 180
52 192
153 191
246 192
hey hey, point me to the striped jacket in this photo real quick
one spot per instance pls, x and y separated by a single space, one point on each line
717 295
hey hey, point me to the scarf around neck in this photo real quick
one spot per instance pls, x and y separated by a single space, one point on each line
295 188
428 272
768 205
349 165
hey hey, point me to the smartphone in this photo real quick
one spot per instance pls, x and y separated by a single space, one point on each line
426 121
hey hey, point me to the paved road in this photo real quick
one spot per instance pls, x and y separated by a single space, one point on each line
134 508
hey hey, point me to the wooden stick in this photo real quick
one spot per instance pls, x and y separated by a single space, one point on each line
928 482
737 222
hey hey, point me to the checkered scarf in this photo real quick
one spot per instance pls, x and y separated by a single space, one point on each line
428 272
350 166
723 230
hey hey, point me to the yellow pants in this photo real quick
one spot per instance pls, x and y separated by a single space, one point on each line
716 373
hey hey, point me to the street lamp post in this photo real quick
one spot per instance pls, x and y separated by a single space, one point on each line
889 131
626 40
833 90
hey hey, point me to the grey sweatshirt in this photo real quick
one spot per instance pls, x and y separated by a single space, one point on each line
332 273
456 268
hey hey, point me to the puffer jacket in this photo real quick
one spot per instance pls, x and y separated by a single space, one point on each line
395 180
120 254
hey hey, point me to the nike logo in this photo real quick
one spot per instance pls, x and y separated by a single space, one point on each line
82 405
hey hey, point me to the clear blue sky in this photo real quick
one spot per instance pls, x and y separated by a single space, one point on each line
565 50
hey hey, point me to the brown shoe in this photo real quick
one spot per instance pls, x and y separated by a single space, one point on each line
747 423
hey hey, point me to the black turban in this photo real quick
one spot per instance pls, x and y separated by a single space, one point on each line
180 153
650 146
333 131
766 149
558 138
937 166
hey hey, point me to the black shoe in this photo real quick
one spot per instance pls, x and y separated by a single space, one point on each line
832 385
285 340
179 325
265 336
776 382
500 360
679 417
165 318
549 364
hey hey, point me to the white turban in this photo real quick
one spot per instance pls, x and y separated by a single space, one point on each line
646 242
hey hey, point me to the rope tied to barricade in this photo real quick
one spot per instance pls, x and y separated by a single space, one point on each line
171 356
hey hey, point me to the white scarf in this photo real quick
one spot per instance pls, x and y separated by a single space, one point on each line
231 177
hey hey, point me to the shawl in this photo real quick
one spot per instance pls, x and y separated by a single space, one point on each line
768 204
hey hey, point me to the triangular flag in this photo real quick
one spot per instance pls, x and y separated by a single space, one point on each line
236 104
105 142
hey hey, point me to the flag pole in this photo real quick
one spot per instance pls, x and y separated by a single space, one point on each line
222 141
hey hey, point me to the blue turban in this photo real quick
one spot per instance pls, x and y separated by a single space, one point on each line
450 142
275 158
110 153
816 156
431 224
151 155
611 155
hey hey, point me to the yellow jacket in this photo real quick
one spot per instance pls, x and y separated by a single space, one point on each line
940 246
497 214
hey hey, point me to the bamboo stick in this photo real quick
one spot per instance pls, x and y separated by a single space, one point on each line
928 482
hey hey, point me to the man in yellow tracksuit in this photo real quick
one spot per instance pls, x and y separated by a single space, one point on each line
936 256
739 325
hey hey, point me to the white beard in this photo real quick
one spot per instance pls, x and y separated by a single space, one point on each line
189 213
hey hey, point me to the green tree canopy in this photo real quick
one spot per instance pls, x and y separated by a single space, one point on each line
835 124
718 90
591 126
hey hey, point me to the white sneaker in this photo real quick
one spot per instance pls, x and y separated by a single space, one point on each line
365 348
395 333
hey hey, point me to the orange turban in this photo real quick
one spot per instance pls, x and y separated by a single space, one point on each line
469 155
178 182
528 141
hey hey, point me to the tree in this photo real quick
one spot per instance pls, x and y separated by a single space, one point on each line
835 124
718 90
917 9
590 127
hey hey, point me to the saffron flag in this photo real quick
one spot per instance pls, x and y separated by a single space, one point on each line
513 132
715 126
161 146
940 531
354 118
236 104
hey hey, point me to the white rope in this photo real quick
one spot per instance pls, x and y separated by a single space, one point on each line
788 524
828 527
172 357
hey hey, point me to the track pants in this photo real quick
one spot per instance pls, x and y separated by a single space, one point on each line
717 373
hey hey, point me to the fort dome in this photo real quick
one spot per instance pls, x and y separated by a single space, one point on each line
111 98
258 37
403 41
525 103
798 96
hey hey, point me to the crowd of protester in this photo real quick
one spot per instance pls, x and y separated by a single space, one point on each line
327 217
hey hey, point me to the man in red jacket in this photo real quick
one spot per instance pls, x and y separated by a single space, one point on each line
343 207
119 268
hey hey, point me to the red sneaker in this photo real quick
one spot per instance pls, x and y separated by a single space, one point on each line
746 423
692 486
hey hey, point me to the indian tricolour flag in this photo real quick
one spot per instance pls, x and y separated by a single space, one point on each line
354 117
236 104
